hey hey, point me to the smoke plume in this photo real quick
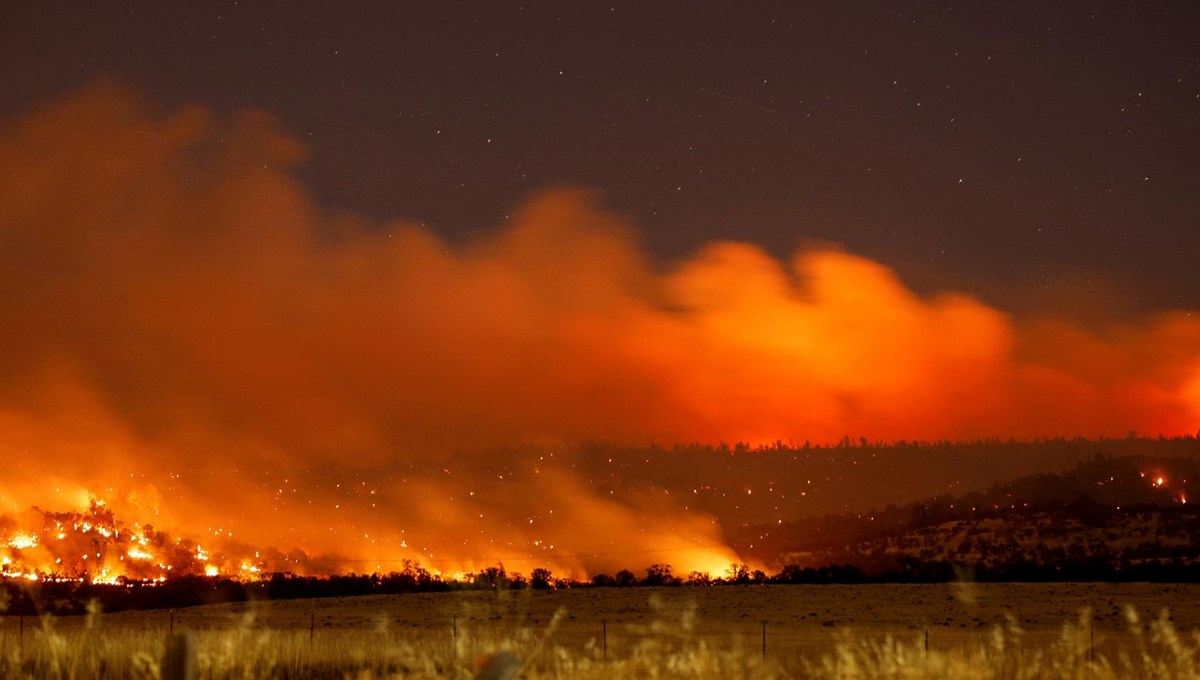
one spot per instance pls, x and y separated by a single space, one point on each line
187 335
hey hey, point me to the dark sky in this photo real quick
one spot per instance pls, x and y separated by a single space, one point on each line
1025 151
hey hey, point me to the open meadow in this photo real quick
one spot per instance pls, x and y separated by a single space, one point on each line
834 631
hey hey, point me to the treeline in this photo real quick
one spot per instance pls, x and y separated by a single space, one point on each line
24 598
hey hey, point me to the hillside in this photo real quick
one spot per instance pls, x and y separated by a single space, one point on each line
1107 515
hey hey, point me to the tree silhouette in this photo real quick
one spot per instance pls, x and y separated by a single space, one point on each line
541 579
659 574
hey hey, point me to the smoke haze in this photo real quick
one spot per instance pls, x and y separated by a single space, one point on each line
188 336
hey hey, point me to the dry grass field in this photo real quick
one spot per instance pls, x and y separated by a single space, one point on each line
905 631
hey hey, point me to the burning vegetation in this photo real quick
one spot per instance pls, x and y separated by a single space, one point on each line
94 546
825 524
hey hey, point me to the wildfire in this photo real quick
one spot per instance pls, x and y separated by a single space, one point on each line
1160 479
94 546
21 541
349 339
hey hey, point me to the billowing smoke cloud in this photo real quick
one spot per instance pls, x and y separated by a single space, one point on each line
185 331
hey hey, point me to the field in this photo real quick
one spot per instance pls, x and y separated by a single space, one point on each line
909 631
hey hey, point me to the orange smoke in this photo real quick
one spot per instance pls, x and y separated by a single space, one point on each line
187 335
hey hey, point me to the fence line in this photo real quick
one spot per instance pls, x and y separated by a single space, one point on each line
777 639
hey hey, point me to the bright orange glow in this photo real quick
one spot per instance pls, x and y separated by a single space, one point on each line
182 326
95 545
21 541
1191 392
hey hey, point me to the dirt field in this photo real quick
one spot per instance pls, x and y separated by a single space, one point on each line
801 622
791 607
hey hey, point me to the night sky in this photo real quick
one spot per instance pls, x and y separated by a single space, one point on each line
1042 156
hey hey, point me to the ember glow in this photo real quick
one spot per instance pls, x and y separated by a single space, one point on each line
94 545
251 385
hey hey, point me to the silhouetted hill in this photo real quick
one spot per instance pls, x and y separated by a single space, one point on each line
1110 513
744 486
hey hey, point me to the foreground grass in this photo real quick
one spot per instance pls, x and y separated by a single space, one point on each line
674 644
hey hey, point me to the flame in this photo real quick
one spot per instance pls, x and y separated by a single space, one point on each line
21 541
94 545
138 554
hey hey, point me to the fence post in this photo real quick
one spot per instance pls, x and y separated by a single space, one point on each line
312 625
21 643
171 621
454 637
604 637
1092 641
926 641
179 658
764 640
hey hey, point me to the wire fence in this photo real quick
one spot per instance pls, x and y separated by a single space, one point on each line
317 637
